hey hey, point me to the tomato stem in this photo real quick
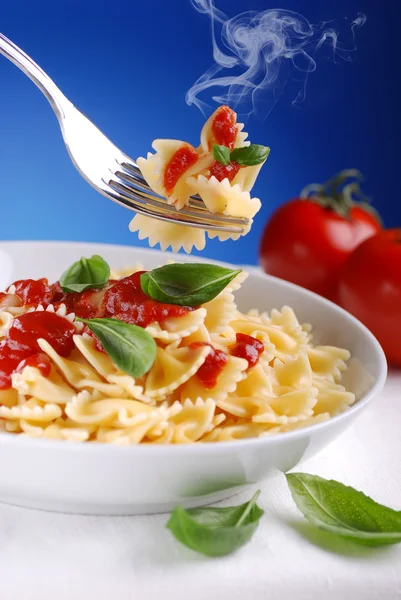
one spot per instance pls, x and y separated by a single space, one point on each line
340 193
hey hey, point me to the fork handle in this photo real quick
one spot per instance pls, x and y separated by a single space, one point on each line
46 85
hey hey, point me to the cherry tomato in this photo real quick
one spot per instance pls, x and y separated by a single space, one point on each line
307 240
370 289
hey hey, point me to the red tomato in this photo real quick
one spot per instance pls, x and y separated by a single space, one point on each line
370 289
307 243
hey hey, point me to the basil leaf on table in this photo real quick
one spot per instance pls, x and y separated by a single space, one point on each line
188 284
248 156
84 274
130 347
221 154
216 531
342 510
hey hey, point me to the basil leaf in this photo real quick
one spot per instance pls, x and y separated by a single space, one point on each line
221 154
248 156
188 284
84 274
344 511
216 531
130 347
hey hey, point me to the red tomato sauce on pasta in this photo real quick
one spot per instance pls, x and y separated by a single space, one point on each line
182 159
40 361
126 301
224 128
249 348
86 304
32 292
215 362
21 341
122 299
224 171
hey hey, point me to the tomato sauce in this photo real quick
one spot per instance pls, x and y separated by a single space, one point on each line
21 341
215 362
86 304
40 360
32 292
221 171
182 159
122 299
224 128
126 301
57 292
249 348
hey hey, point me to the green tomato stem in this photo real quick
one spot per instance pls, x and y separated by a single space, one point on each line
340 193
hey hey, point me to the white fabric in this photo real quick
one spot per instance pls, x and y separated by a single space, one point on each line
45 556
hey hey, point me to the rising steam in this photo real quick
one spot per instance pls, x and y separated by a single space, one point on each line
259 51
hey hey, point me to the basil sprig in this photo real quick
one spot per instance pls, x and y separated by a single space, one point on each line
188 284
216 531
84 274
221 154
342 510
247 156
130 347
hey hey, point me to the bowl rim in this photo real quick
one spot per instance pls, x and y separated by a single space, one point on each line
12 439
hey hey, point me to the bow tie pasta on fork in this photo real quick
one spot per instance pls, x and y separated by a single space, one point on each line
221 171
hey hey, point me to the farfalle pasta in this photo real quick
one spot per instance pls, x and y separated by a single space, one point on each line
216 374
177 171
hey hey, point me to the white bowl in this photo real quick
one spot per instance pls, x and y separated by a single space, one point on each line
103 479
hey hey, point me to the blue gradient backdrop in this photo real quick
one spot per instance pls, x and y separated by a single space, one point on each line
128 65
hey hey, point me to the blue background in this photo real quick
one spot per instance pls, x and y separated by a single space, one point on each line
128 65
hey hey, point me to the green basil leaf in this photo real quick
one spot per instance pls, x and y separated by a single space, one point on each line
130 347
84 274
344 511
216 531
248 156
221 154
186 284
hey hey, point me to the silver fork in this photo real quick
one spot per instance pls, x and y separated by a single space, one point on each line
105 167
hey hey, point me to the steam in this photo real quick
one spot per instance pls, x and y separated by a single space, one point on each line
255 53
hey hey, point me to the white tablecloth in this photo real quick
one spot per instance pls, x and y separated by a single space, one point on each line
45 556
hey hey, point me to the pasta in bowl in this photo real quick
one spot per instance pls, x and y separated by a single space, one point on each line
219 380
215 374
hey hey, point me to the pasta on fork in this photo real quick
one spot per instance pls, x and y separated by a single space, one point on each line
222 171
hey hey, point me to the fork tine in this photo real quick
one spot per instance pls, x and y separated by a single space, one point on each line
185 214
195 203
161 210
133 174
132 168
140 184
144 209
161 204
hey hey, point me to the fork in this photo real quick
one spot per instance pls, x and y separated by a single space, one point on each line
105 167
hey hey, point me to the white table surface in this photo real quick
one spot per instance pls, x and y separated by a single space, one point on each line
48 556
